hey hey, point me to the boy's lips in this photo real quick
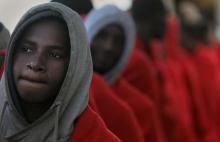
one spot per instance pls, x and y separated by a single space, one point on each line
33 79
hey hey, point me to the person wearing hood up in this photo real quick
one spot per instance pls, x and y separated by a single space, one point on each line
111 33
121 121
44 89
4 39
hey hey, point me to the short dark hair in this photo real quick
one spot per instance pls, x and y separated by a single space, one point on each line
145 9
197 31
81 6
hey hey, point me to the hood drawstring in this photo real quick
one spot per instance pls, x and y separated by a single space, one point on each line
56 121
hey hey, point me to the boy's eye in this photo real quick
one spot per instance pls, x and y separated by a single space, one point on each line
26 49
55 55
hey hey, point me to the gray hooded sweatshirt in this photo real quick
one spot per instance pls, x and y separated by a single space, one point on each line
57 123
98 19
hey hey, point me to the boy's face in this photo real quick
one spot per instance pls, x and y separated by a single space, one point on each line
107 47
41 60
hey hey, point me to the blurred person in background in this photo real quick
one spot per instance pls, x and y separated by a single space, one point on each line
112 37
152 19
195 29
188 73
198 41
4 39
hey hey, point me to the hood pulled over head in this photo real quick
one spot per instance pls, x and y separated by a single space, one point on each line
57 123
98 19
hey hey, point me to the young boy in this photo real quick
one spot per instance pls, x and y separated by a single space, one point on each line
44 90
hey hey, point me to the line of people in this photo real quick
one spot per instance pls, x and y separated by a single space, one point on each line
147 84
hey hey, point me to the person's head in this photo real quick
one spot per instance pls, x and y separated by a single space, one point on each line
83 7
48 66
150 19
194 27
107 47
41 60
193 34
111 33
45 85
4 37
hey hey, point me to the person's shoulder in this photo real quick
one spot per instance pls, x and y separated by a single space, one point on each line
90 127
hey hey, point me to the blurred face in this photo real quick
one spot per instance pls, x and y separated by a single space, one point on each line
41 60
107 48
151 27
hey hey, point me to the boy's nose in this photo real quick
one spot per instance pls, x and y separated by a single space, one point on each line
36 64
108 44
35 67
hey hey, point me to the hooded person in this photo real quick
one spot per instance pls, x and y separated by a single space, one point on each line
44 89
4 39
111 33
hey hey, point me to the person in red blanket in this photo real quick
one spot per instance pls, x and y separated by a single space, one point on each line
150 18
197 41
141 71
45 86
4 39
111 33
191 79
